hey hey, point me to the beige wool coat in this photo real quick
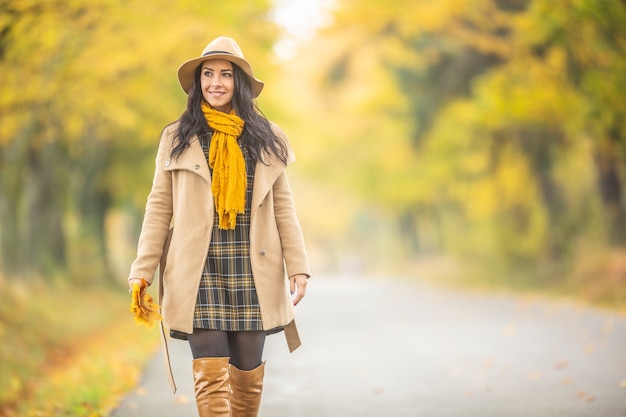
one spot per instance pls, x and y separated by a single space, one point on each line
181 197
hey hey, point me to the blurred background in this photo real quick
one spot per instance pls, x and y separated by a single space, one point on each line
471 142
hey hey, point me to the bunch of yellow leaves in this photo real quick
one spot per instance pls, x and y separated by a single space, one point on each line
145 309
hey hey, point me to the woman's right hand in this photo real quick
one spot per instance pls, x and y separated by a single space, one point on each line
133 281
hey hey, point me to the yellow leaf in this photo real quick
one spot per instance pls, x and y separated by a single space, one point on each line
143 306
181 399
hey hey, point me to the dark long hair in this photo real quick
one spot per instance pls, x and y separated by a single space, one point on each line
257 136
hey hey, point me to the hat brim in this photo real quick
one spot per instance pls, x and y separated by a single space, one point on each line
187 69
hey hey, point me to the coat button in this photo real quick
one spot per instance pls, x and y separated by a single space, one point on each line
262 252
167 163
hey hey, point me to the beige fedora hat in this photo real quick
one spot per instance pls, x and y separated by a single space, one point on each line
219 48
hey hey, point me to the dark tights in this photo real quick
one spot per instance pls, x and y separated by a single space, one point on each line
245 349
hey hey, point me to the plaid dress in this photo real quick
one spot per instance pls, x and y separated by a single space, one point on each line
227 298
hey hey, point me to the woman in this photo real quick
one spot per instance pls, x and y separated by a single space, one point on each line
220 183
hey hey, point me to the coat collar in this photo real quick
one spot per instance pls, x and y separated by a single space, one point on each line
192 159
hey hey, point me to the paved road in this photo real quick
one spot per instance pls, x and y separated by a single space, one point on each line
381 348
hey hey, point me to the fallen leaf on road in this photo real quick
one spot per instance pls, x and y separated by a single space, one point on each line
566 381
581 394
510 330
584 397
181 399
534 376
623 384
141 391
561 365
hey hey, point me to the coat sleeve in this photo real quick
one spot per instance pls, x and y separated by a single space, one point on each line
158 215
289 230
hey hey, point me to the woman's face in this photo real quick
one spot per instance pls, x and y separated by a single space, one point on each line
218 83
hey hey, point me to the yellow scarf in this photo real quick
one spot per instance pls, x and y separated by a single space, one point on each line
229 168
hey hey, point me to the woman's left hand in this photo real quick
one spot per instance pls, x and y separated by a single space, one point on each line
298 282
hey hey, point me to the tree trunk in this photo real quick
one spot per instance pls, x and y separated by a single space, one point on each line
610 187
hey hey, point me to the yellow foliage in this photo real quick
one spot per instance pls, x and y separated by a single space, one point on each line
60 365
143 306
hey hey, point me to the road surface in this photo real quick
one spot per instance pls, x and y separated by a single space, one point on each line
393 348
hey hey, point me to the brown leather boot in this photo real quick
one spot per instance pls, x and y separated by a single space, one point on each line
211 377
246 388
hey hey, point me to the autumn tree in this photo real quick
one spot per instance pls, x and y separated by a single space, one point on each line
488 129
86 90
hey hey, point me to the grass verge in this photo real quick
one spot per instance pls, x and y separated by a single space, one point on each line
68 351
597 279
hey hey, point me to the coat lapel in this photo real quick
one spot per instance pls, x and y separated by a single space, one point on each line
266 175
264 178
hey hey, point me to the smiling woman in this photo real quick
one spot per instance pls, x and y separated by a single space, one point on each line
217 84
235 253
